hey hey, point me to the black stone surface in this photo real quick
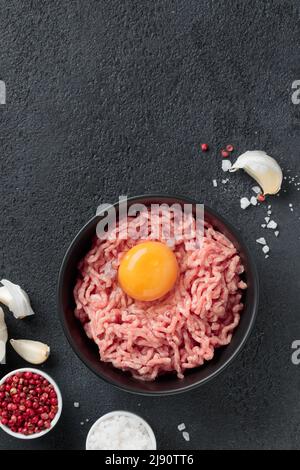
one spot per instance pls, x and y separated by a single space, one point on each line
114 97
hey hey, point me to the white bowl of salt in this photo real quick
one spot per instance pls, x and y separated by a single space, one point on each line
120 430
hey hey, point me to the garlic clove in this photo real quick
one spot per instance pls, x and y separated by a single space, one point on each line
3 337
2 352
34 352
5 297
15 299
263 169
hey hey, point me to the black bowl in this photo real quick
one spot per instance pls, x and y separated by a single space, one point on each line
169 384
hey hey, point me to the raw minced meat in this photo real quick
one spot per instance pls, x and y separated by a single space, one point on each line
175 333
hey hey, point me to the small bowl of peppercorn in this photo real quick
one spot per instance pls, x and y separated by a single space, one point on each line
30 403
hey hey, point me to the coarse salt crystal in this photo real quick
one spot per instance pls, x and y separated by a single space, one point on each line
244 202
276 233
267 219
269 212
272 224
226 165
263 225
76 404
181 427
186 436
265 249
261 241
290 205
256 189
253 200
215 184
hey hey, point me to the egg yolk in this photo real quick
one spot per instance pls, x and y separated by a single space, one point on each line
148 271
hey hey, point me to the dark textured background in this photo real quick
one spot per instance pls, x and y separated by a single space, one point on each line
113 97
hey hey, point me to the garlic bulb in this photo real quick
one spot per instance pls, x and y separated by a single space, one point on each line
3 337
34 352
15 299
263 168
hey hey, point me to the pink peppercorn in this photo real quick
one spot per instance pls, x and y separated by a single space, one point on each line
28 403
224 153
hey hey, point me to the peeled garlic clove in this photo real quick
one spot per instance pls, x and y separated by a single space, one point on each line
3 337
2 352
34 352
263 168
15 299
